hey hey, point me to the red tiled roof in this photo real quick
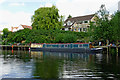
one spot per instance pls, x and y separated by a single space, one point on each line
14 27
26 26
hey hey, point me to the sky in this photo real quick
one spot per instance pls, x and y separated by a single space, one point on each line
16 12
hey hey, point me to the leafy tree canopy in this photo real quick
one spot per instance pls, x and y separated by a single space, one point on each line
47 18
102 28
19 36
106 27
115 24
5 33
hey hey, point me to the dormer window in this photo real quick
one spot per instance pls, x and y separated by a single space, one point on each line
68 23
85 21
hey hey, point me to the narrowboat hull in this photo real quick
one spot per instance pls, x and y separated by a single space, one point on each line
72 48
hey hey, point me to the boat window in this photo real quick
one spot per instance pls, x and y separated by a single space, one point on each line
66 45
75 46
80 45
86 45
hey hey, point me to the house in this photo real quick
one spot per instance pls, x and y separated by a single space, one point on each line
20 27
79 24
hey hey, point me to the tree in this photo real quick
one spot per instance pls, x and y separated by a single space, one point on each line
46 18
19 36
11 38
36 36
5 32
115 24
103 29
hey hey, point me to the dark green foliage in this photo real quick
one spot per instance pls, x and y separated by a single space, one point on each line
45 36
50 36
5 33
36 36
19 36
65 38
115 26
105 29
113 51
102 29
11 37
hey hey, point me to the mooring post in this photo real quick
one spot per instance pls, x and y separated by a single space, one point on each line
107 57
107 49
12 47
107 46
24 48
18 48
117 47
117 50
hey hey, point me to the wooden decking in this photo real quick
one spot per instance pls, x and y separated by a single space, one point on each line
19 79
107 49
14 47
105 46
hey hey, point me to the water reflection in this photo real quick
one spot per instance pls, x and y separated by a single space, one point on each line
46 67
15 65
49 65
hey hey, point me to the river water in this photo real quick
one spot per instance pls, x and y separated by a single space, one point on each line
56 65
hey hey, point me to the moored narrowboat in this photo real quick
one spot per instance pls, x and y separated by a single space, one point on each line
64 47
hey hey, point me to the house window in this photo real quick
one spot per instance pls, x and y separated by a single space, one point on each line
66 29
69 23
79 29
63 28
69 28
74 29
88 26
84 29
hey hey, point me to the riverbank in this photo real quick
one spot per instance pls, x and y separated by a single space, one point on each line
106 49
